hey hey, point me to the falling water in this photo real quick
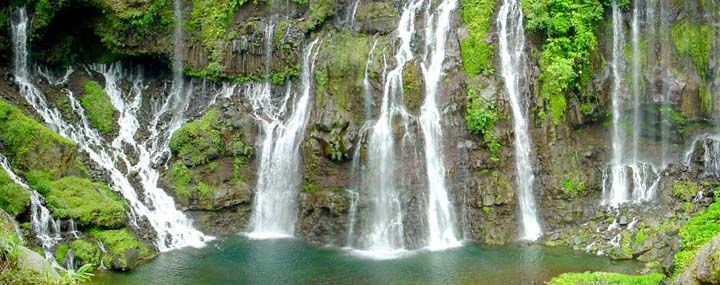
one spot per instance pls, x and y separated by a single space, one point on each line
514 71
43 225
441 215
709 144
627 179
174 229
279 178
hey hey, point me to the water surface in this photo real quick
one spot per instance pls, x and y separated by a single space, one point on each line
237 260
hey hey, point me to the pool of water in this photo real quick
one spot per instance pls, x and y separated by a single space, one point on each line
238 260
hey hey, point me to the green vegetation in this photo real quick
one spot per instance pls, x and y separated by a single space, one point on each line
481 117
476 52
123 23
181 179
199 141
565 66
694 40
30 145
573 186
100 110
606 278
14 199
695 233
319 11
685 190
86 251
119 243
210 19
86 202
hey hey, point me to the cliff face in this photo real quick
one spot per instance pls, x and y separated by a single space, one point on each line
224 43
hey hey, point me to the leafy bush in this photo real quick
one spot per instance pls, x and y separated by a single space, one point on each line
695 233
319 11
100 110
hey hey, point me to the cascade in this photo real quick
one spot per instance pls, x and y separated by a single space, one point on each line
279 178
514 71
441 215
391 144
174 229
627 178
45 228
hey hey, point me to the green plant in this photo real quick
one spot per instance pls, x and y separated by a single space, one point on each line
210 19
199 141
319 11
694 40
181 179
100 110
606 278
476 52
481 117
88 203
14 199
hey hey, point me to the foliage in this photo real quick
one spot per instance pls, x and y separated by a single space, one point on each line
14 199
695 233
569 26
573 186
340 69
319 11
30 145
86 251
136 23
181 179
696 41
476 52
684 191
481 117
100 110
606 278
210 20
199 141
88 203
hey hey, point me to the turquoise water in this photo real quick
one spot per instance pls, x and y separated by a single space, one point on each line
237 260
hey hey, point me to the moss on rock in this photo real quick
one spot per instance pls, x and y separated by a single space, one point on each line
88 203
606 278
199 141
125 250
100 110
476 51
14 199
30 145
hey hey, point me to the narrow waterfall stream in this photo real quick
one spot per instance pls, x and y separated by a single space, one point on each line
174 229
279 178
514 71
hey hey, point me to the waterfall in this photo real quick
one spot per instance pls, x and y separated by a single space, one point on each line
174 229
628 178
279 177
441 215
514 71
45 228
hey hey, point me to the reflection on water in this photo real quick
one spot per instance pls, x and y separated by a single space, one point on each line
237 260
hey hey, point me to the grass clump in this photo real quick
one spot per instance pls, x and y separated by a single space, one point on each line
695 233
100 110
606 278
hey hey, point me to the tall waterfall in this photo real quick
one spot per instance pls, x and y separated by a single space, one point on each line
628 178
279 177
45 228
391 143
514 71
174 229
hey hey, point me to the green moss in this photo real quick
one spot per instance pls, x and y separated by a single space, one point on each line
181 179
706 99
319 11
205 190
40 181
118 243
694 40
641 236
30 145
606 278
88 203
481 118
684 190
100 110
476 52
60 253
573 186
199 141
569 26
14 199
695 233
